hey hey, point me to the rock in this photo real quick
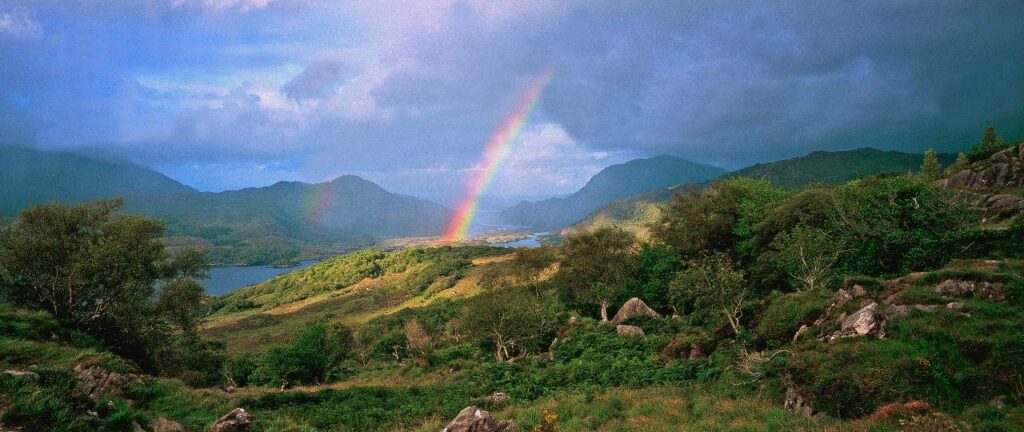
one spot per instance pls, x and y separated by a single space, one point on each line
926 308
22 374
858 291
473 419
496 399
998 402
961 288
866 321
819 418
161 424
136 427
235 421
97 382
623 330
229 388
796 403
954 305
799 332
696 352
634 307
573 321
897 311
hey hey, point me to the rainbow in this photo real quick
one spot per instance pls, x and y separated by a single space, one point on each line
495 150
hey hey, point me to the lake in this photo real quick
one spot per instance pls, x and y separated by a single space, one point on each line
532 241
226 279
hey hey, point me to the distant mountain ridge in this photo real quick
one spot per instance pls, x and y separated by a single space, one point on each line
252 225
829 167
612 183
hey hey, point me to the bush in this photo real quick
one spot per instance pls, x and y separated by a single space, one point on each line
308 358
787 313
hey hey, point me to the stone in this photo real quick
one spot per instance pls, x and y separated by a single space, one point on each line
473 419
97 382
696 352
858 291
866 321
573 321
235 421
628 330
926 308
632 308
897 311
800 332
962 288
161 424
998 402
954 305
22 374
796 403
496 398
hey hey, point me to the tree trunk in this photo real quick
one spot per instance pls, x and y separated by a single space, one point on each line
604 311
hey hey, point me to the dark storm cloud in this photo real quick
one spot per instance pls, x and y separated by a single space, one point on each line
408 91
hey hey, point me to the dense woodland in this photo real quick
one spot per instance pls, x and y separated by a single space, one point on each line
889 302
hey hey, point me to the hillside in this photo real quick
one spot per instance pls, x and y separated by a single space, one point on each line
33 177
637 211
612 183
281 222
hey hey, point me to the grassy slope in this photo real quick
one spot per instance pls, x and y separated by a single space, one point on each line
636 212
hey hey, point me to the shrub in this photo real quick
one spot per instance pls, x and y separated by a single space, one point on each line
785 314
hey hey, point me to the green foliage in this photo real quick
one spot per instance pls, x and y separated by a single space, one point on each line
990 144
711 287
786 313
196 361
595 265
312 356
98 272
807 254
514 321
931 169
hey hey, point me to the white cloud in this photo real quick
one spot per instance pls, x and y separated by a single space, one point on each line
222 5
18 23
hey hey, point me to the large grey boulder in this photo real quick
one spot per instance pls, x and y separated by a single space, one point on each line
866 321
473 419
97 382
634 307
235 421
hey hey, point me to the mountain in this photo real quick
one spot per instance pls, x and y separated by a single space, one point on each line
32 177
612 183
249 226
829 167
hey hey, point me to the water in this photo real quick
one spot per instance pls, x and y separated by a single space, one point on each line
532 241
224 280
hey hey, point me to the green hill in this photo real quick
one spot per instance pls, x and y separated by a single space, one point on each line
635 212
281 222
612 183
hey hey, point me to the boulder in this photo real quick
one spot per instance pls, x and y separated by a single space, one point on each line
858 291
962 288
161 424
235 421
22 374
495 399
634 307
97 382
473 419
628 330
796 403
866 321
573 321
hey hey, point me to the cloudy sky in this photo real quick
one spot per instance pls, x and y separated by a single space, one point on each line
231 93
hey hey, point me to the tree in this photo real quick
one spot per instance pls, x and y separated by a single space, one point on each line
807 254
712 284
959 165
98 271
931 170
524 269
513 319
596 264
416 337
989 144
308 358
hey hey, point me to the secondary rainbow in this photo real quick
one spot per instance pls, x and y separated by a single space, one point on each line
495 150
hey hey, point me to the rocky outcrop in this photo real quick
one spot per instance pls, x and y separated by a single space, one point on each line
494 399
966 288
473 419
796 403
235 421
628 330
867 321
632 308
97 382
1001 170
161 424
